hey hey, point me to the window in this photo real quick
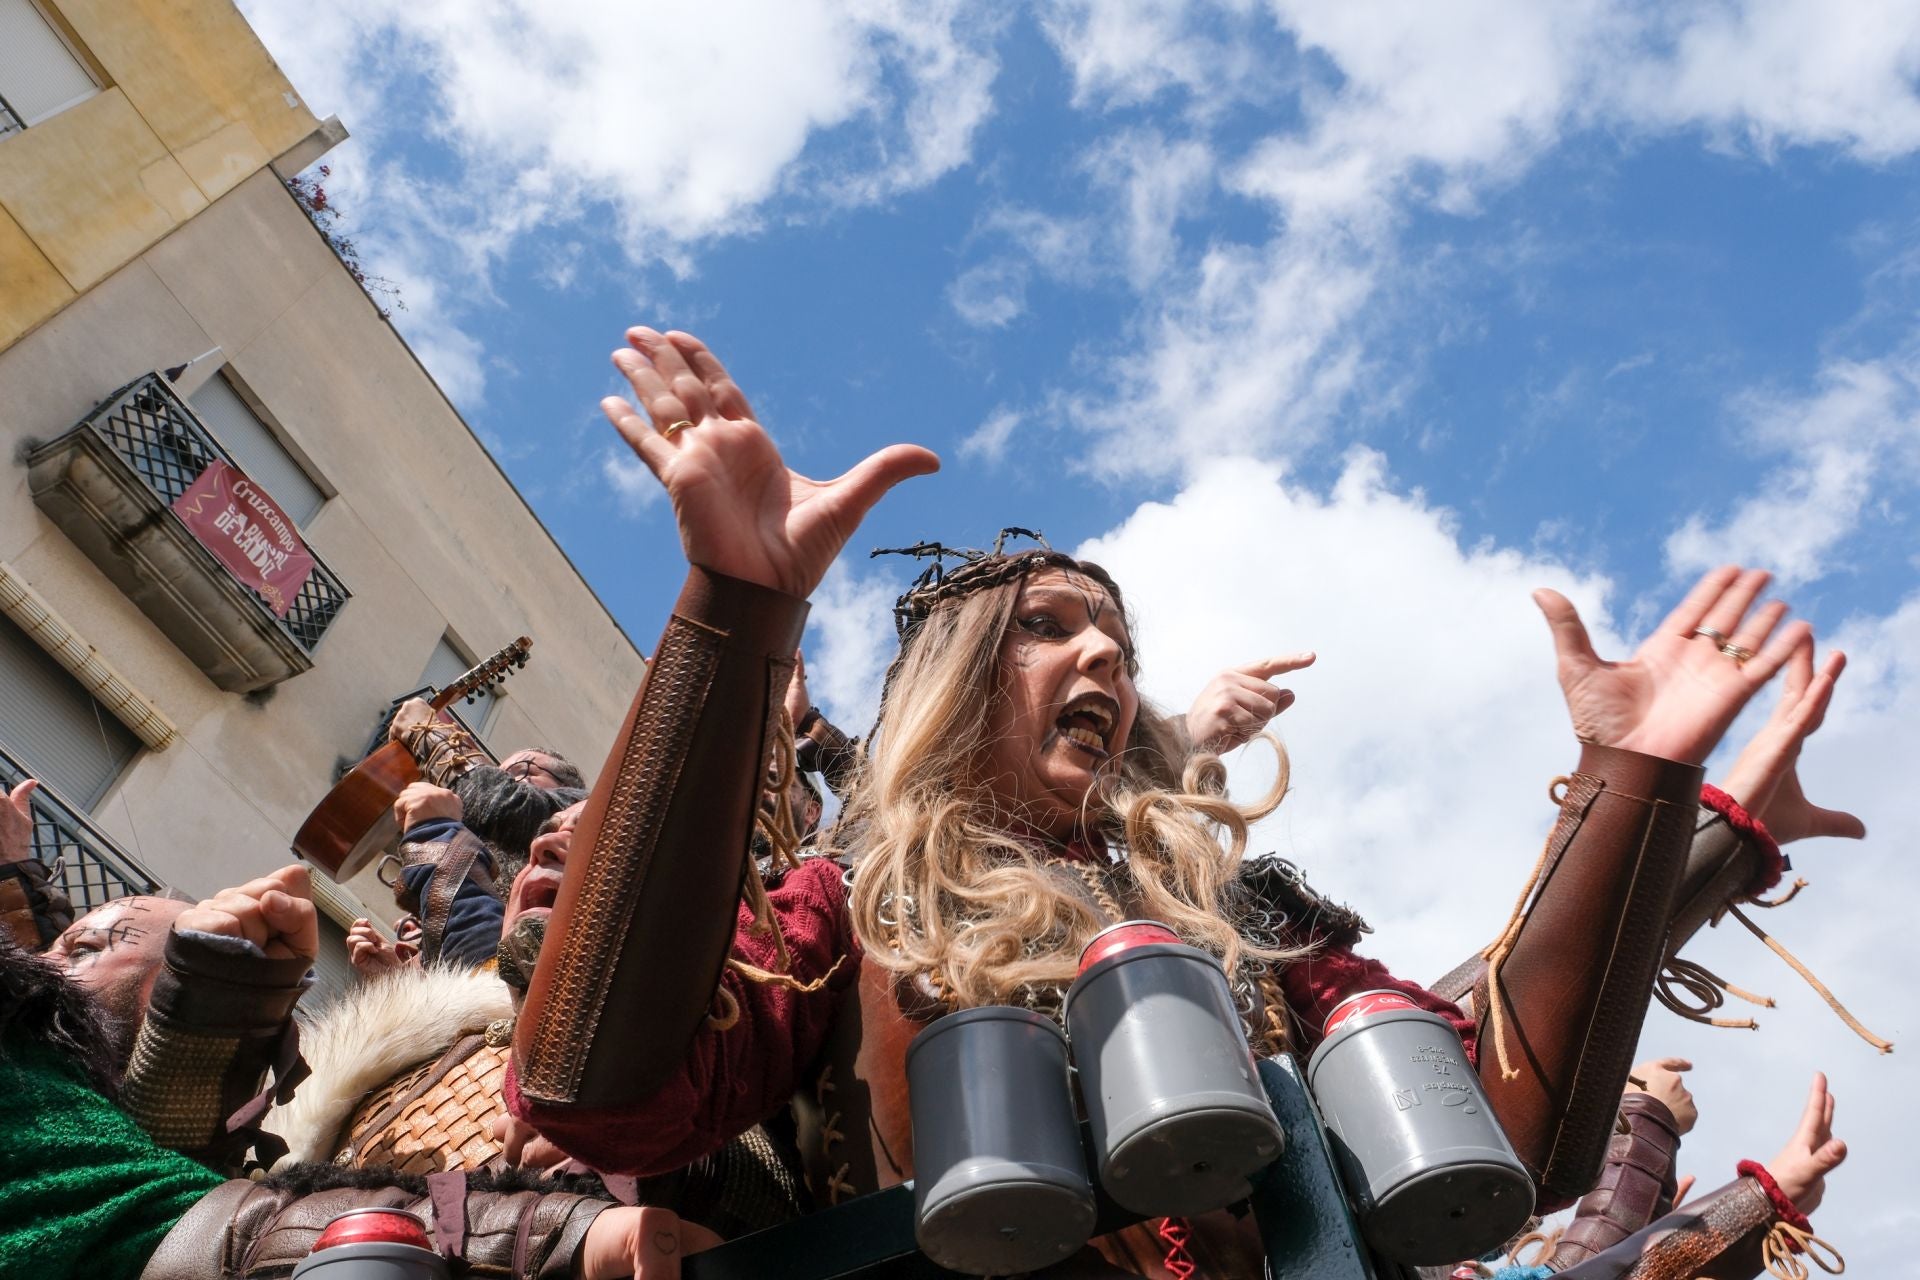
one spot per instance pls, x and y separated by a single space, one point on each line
53 727
255 447
39 74
449 664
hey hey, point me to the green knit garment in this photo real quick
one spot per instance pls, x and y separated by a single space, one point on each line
83 1191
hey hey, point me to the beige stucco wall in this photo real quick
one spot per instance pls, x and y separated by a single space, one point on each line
192 105
423 529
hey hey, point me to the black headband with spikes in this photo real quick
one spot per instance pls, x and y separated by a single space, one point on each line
978 569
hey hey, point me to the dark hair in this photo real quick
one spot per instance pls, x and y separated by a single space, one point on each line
508 813
40 1004
564 771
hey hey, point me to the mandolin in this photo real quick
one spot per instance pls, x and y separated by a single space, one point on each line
354 824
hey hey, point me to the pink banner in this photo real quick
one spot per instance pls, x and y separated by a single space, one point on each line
243 526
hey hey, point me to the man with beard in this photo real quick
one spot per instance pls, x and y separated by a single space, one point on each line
89 1194
407 1071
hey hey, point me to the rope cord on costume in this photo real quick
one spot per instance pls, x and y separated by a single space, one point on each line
1694 991
783 840
1176 1234
1785 1242
1548 1241
1496 952
1884 1046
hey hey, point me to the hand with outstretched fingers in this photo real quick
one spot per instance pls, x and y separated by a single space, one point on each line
1239 702
1679 692
741 512
1812 1153
275 913
1660 1078
1765 778
16 822
644 1242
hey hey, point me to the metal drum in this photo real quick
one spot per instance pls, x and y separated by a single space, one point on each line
1434 1175
372 1244
1000 1180
1180 1121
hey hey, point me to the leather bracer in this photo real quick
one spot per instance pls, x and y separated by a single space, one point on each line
1636 1186
647 910
248 1229
34 909
1717 1236
221 1017
1728 862
461 857
1578 966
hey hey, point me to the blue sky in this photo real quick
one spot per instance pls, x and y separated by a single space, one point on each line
1333 326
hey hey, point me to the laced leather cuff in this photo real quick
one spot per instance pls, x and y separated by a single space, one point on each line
647 910
1569 982
1636 1186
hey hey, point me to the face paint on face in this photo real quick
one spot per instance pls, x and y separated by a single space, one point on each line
1066 701
115 950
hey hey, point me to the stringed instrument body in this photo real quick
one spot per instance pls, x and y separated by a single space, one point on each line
354 823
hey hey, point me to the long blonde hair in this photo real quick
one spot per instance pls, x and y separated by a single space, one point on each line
942 886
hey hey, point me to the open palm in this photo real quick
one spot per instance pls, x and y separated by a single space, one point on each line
740 510
1680 691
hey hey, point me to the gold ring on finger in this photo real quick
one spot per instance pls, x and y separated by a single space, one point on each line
1738 652
1715 636
671 427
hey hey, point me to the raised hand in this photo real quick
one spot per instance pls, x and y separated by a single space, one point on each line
16 822
1237 704
1765 779
371 954
741 512
643 1242
275 913
1812 1153
420 802
1679 692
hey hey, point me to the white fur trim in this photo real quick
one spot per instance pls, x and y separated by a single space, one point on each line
372 1033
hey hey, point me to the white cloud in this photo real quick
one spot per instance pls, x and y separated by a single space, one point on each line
680 120
634 487
850 641
990 296
1858 430
988 441
1408 107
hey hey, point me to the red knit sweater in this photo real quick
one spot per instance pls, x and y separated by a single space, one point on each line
733 1079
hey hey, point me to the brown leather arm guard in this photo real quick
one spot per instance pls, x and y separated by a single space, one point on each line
1724 1235
647 910
1724 865
246 1229
34 909
463 857
221 1018
1576 964
1636 1186
821 748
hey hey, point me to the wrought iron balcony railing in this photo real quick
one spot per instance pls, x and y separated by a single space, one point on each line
159 434
87 864
10 121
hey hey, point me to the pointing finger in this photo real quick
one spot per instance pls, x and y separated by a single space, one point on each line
1266 668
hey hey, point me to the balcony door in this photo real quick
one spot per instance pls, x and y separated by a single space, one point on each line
53 727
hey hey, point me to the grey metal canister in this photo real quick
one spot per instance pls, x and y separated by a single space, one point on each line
1180 1121
1000 1178
374 1243
1433 1175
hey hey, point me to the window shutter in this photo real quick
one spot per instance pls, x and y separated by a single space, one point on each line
255 447
39 76
55 728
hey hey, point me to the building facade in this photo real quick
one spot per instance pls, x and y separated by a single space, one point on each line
166 307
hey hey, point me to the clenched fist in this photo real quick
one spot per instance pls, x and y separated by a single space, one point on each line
275 913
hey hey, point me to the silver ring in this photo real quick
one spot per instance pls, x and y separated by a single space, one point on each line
1709 633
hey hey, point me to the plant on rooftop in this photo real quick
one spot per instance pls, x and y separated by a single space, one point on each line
311 195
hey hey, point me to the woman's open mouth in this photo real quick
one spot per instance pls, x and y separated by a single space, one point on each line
1087 723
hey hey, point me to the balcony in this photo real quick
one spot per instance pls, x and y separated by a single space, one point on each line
85 863
10 121
110 484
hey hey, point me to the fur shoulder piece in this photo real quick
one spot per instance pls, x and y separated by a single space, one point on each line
374 1031
1275 886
